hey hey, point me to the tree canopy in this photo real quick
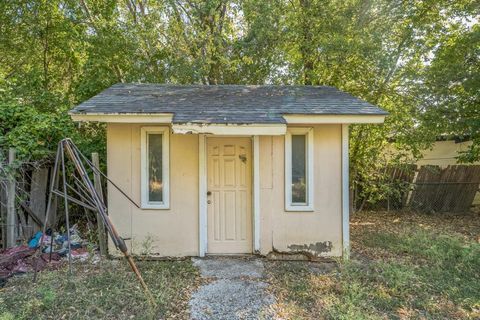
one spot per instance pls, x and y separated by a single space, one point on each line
417 59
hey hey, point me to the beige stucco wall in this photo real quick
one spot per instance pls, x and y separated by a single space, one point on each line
174 232
282 230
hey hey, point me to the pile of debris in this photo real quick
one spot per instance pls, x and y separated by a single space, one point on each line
21 259
58 243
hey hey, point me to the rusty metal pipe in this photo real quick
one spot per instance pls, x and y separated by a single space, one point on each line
74 155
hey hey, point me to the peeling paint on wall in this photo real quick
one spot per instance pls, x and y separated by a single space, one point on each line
316 248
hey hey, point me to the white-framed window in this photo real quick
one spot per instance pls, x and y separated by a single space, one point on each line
299 169
155 175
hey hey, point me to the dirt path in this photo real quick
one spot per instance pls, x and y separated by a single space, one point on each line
236 290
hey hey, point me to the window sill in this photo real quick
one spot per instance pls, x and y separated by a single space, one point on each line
155 207
299 208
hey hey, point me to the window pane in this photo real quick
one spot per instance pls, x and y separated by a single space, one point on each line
155 185
299 171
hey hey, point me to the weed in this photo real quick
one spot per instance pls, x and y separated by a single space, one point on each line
147 246
406 271
105 291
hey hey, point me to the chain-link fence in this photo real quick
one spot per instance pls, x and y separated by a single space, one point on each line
428 188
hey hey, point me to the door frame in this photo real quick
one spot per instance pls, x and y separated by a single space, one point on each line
202 192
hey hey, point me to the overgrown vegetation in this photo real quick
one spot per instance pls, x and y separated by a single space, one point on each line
417 59
108 290
404 266
35 134
418 267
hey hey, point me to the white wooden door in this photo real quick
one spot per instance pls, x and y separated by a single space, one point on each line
229 196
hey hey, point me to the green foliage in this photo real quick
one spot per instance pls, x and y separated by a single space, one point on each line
453 82
384 52
418 60
35 134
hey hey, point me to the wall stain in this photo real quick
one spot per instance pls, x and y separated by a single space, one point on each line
315 248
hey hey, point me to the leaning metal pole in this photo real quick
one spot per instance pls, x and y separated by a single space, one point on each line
65 202
97 170
100 206
67 148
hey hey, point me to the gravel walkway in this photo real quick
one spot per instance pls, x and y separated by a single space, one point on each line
236 290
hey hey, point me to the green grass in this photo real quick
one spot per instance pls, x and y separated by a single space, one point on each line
402 267
108 290
410 273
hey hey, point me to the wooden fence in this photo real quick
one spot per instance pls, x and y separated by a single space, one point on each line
23 200
428 188
450 189
24 190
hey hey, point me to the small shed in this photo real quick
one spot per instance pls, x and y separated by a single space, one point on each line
229 169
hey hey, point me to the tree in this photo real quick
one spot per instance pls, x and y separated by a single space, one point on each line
452 88
416 59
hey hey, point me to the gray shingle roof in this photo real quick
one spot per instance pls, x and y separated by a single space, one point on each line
237 104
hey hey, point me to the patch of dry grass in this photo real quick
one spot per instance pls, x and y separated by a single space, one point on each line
403 266
108 290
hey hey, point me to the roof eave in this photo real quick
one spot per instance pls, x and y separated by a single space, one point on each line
166 118
122 117
333 118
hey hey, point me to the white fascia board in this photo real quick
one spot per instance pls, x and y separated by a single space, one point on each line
256 194
123 117
345 193
202 196
231 129
333 118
